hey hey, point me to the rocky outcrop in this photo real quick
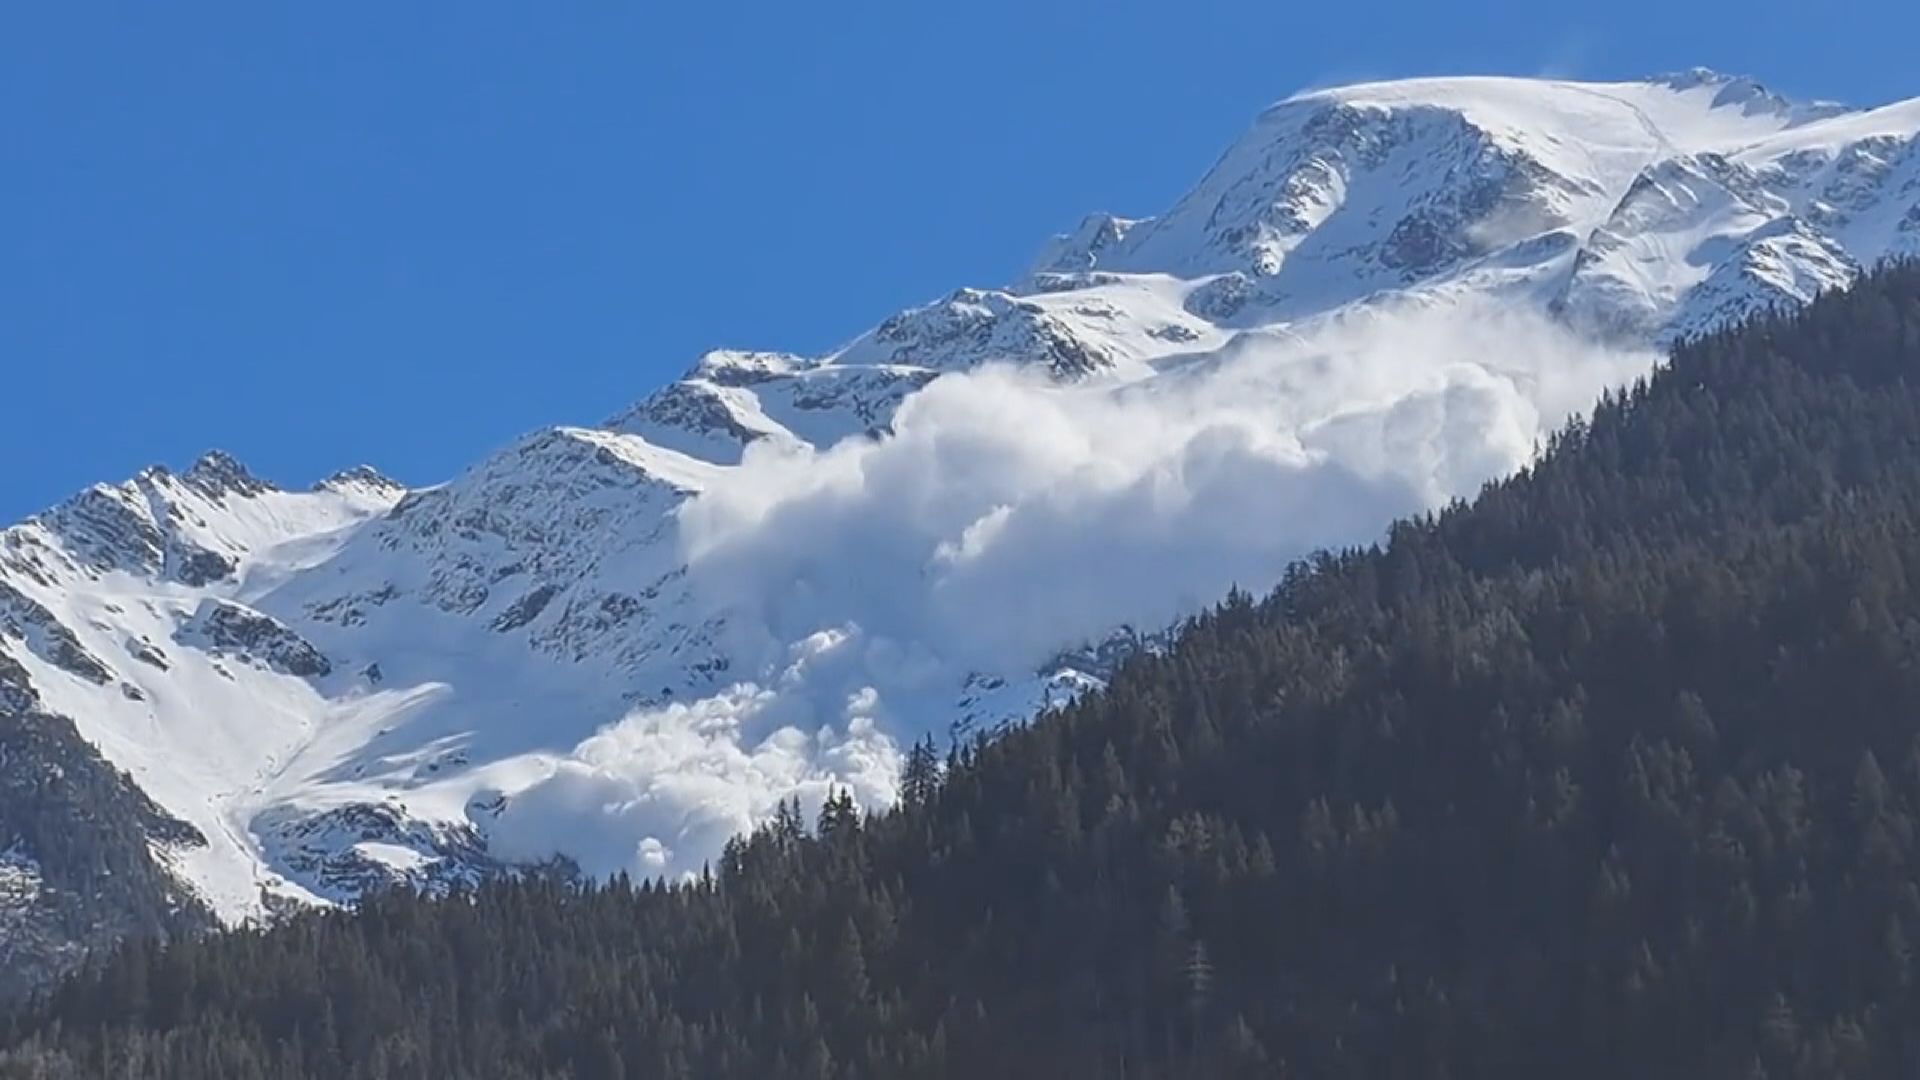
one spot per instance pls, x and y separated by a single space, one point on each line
364 480
218 475
226 627
350 851
525 610
27 621
78 842
973 327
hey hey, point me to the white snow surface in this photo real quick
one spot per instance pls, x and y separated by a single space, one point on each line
19 879
623 644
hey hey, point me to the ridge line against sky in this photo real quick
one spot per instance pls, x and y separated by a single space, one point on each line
317 238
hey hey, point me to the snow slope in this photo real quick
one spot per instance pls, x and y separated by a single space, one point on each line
620 645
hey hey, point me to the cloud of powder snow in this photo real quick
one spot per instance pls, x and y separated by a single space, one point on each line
1008 517
661 791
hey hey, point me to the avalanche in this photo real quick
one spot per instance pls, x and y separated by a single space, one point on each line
621 644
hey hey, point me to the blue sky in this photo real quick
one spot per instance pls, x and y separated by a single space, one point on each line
317 235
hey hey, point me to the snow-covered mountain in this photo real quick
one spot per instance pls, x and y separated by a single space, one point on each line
618 645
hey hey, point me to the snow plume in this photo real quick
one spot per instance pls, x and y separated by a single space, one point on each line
1007 518
661 791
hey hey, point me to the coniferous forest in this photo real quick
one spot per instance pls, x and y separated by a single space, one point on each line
1613 773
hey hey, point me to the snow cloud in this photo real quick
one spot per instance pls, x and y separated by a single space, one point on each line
660 792
1007 518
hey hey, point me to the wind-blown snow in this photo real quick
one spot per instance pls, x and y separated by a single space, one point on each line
999 522
661 791
991 527
623 644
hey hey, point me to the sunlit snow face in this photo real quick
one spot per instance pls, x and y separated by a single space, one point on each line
1007 517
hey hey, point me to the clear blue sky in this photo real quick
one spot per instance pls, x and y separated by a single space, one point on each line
403 233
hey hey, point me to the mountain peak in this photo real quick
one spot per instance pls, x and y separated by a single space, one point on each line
1080 249
217 474
1746 94
1695 77
362 479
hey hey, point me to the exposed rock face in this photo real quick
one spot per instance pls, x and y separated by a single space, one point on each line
973 327
27 621
364 480
153 525
695 415
217 475
111 528
200 567
223 626
348 851
16 688
78 870
526 609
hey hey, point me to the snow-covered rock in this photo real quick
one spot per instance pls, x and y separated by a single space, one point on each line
224 628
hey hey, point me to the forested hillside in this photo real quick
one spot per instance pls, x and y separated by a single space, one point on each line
1613 773
78 867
